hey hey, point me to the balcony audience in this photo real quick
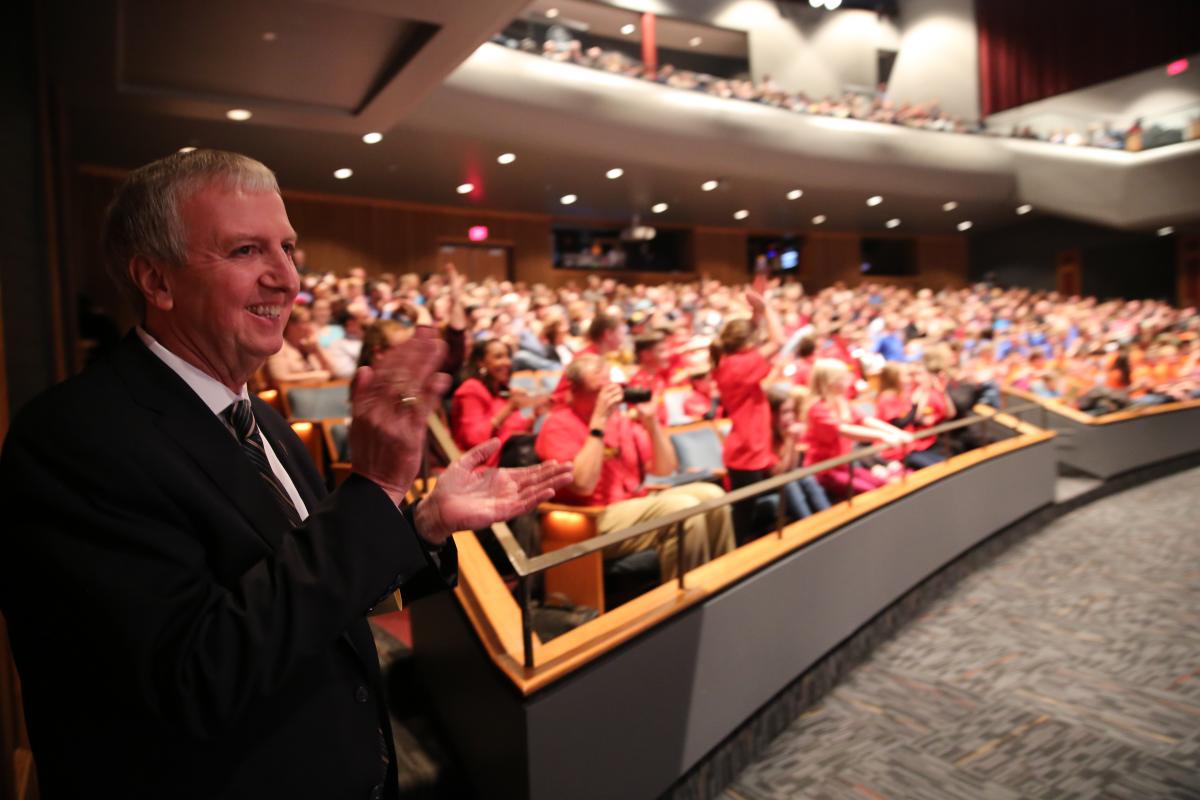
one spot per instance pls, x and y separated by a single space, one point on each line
877 106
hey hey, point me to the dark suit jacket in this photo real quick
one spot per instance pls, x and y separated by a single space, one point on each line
174 638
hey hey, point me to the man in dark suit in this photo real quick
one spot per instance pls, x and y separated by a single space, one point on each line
186 603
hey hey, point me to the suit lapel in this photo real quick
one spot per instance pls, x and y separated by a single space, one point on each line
299 466
185 419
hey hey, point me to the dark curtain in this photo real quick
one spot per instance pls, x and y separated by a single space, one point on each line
1032 49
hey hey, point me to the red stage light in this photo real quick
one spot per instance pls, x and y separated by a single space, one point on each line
1176 67
477 233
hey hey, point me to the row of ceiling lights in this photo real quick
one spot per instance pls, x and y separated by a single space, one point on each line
374 137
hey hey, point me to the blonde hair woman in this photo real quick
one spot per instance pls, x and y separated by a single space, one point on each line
834 424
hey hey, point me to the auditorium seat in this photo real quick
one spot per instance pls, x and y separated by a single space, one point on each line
592 580
310 436
698 448
336 431
272 398
318 402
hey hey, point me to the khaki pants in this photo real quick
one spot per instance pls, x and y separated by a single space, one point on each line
705 536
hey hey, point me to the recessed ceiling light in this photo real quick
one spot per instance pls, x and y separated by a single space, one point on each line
695 41
614 173
816 3
741 214
628 28
874 200
965 225
343 173
819 219
894 222
1024 209
708 186
465 188
567 199
832 5
795 194
238 114
187 149
659 208
949 206
551 13
506 158
1166 230
269 36
373 137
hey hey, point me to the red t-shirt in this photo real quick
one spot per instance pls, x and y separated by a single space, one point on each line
889 406
739 378
804 368
471 412
822 435
627 448
937 411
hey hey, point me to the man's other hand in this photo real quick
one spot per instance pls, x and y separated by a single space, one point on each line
607 401
392 400
470 496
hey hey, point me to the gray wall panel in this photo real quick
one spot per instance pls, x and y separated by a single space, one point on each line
1108 450
761 634
631 723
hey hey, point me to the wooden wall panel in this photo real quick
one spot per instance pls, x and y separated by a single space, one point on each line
720 253
831 257
942 261
390 236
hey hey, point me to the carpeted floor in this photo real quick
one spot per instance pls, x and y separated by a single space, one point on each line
1069 667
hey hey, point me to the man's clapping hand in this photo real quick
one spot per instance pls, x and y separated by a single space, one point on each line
470 496
392 399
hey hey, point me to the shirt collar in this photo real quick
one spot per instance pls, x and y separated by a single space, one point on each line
216 395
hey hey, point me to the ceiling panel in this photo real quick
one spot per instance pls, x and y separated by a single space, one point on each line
285 51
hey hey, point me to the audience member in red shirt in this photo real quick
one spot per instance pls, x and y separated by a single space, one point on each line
805 358
611 454
605 336
834 424
484 406
743 363
804 496
654 371
703 401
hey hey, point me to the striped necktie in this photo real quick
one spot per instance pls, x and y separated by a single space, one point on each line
240 420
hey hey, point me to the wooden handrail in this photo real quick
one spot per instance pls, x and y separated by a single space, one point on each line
496 616
1124 415
528 566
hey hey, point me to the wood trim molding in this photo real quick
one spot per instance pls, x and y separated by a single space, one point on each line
496 618
1064 410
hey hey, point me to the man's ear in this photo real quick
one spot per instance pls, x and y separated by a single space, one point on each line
151 280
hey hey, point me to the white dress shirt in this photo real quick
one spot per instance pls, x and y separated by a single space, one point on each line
218 397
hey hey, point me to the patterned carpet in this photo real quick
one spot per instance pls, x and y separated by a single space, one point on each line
1066 667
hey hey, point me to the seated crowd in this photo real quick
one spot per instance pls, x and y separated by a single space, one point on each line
877 106
793 378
